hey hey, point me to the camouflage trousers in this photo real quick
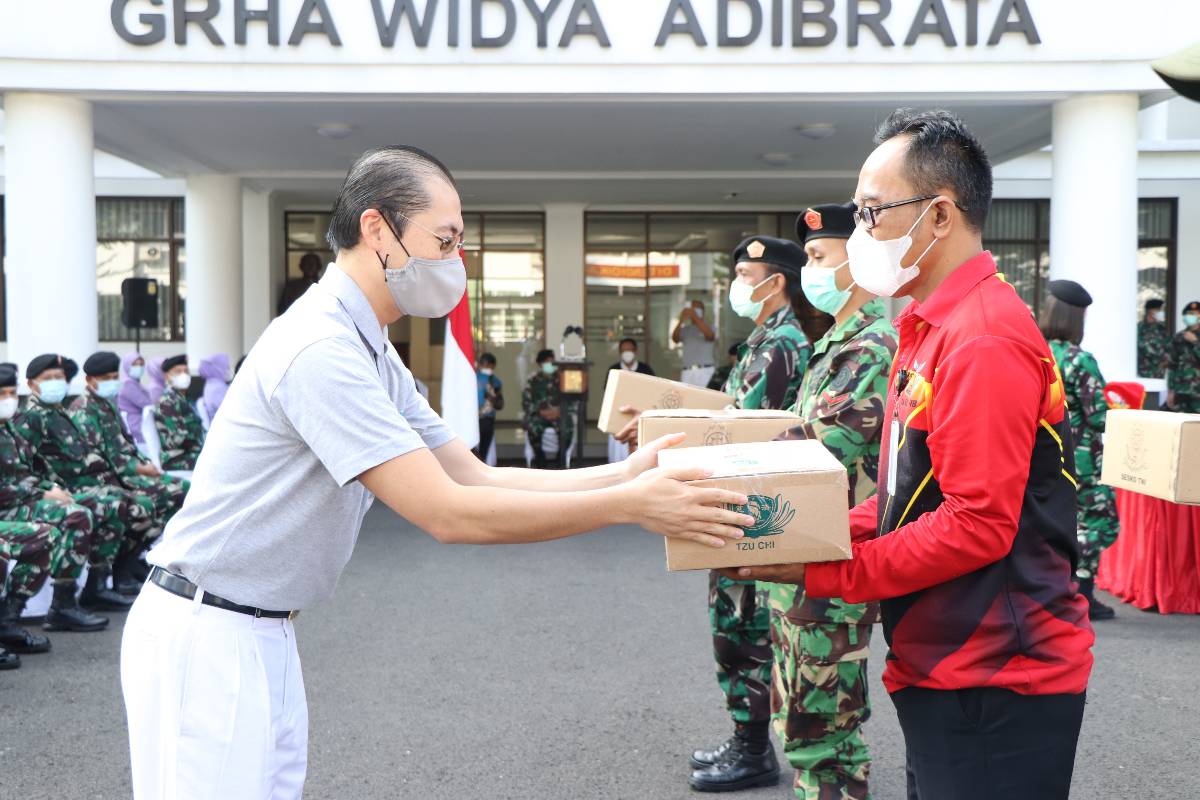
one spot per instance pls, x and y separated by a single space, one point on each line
819 701
535 429
1187 403
118 523
165 492
38 551
151 502
741 634
1098 525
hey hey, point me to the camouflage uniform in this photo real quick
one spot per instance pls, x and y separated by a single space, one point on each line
59 454
768 374
100 423
1184 379
38 551
542 392
819 696
180 431
1153 345
1084 387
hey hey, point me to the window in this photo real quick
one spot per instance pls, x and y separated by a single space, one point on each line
3 282
304 234
140 237
1018 234
1157 221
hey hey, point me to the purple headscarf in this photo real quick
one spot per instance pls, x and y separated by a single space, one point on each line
158 383
214 370
133 398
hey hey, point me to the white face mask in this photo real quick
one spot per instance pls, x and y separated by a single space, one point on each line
876 264
8 407
1160 316
628 357
181 382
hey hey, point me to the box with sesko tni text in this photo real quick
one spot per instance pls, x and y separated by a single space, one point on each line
1153 452
645 392
797 496
705 428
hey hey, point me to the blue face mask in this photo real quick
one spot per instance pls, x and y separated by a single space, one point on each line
52 391
1191 320
549 368
820 287
108 389
136 372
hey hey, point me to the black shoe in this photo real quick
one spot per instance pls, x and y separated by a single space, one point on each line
706 758
97 596
738 768
125 582
12 635
139 569
1097 611
66 615
9 660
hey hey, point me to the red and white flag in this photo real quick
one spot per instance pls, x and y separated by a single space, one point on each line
460 390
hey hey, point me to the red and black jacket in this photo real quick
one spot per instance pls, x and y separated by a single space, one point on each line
970 542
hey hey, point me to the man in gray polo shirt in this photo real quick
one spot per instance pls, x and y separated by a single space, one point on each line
322 418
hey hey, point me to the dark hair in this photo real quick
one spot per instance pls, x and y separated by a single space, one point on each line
1154 304
391 179
544 354
1062 321
628 339
943 155
792 287
487 358
735 349
310 261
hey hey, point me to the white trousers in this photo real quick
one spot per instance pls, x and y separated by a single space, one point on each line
215 702
697 376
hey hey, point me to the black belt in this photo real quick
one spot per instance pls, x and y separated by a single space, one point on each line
182 587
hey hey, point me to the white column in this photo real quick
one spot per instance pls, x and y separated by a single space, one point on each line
50 204
213 210
1093 222
564 269
257 304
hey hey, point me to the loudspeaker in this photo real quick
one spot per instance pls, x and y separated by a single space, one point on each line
139 303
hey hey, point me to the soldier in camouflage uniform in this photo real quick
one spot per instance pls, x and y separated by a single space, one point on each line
95 415
60 455
1062 325
767 375
542 403
721 376
819 698
27 502
180 430
1184 363
1153 342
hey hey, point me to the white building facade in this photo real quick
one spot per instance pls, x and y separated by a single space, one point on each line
610 154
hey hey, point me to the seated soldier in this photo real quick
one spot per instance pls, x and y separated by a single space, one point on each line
180 431
542 404
57 455
96 416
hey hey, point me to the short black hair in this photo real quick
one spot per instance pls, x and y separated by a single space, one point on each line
390 179
544 354
628 339
943 155
735 349
1154 304
487 358
792 288
1062 321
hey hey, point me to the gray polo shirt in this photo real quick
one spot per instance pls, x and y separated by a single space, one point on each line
697 350
274 509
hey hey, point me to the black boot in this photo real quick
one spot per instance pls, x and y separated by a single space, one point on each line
12 635
747 761
139 569
9 660
66 615
124 581
97 596
706 758
1097 611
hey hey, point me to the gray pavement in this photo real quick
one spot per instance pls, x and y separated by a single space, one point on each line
577 669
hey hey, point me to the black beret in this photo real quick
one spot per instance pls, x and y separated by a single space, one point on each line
44 362
102 363
544 354
8 375
830 221
769 250
173 362
1071 293
1192 306
70 368
1153 303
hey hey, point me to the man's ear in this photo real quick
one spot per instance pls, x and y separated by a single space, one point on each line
943 220
370 229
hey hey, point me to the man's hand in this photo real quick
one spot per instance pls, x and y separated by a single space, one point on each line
1191 337
661 502
646 458
777 573
629 434
58 495
686 314
550 414
148 470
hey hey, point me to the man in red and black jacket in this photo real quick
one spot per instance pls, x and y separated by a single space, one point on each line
970 542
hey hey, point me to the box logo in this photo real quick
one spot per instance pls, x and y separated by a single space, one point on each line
717 435
1135 449
671 400
771 515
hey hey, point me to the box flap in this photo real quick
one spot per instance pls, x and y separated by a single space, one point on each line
759 458
725 413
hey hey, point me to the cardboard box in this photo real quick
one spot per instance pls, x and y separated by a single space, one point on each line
1153 452
797 492
645 392
710 428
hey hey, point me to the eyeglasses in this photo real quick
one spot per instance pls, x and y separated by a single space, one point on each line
869 215
450 244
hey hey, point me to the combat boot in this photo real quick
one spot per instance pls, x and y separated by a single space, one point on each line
97 596
1097 611
12 635
743 762
9 660
706 758
125 582
66 615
